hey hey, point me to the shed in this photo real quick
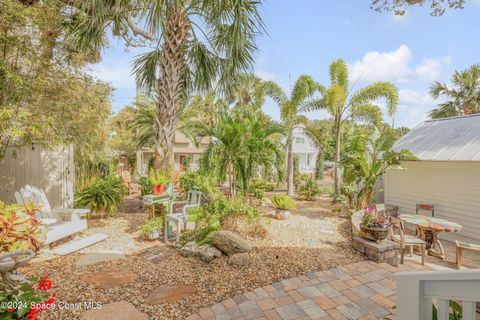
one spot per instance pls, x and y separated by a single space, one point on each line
446 175
49 169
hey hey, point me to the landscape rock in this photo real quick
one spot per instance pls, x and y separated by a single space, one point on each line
119 310
239 259
205 252
169 294
108 279
229 243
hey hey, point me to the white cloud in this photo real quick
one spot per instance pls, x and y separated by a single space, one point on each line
265 75
385 66
395 66
413 107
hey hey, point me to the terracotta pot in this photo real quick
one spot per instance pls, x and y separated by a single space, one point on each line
158 189
374 234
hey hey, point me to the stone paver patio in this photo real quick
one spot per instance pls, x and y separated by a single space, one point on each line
361 290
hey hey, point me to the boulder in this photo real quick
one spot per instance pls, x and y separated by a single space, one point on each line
229 243
239 259
205 252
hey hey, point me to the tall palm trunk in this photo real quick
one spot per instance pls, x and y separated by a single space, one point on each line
338 174
290 184
171 85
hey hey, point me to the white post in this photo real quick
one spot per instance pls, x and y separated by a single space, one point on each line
411 303
443 309
468 310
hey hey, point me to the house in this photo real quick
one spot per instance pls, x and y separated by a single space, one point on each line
446 175
305 150
183 149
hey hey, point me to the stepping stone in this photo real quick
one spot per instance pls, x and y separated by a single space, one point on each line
169 294
79 244
119 310
97 257
109 279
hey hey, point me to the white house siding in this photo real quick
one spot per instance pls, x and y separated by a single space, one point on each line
453 187
49 169
305 150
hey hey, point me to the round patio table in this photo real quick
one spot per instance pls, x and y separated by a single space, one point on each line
426 224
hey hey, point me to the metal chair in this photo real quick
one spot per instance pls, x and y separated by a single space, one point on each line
406 240
180 219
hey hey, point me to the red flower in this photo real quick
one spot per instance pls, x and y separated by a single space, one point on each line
45 284
10 310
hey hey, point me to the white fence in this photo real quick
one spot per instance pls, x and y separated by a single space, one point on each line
49 169
417 290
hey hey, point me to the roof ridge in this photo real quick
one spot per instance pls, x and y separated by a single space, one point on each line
455 117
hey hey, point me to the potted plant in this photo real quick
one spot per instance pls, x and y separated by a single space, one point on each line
282 203
152 228
374 226
158 179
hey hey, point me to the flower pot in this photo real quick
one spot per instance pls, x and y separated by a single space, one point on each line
158 189
374 234
282 214
155 234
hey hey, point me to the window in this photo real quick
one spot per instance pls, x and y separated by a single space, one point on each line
299 140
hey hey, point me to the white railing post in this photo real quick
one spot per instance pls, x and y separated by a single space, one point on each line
468 310
411 303
443 309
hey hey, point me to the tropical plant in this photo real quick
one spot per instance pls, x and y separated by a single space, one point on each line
367 157
309 189
463 95
283 202
241 143
146 185
158 177
345 105
102 196
196 44
290 108
19 229
437 7
155 224
28 300
205 182
249 93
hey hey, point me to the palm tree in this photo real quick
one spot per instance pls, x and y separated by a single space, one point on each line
464 94
249 92
345 105
240 143
196 44
290 108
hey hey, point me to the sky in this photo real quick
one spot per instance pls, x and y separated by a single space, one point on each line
305 36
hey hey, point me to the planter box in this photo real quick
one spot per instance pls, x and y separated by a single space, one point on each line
374 234
385 251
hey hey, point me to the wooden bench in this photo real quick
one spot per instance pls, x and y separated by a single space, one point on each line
460 246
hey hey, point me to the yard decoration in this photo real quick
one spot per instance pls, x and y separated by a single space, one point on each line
374 226
158 180
283 204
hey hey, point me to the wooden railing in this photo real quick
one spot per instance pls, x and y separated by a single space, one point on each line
416 292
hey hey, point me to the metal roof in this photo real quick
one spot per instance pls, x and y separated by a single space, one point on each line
449 139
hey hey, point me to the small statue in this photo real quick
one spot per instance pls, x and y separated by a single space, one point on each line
9 262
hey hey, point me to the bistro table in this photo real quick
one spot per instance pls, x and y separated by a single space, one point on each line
427 226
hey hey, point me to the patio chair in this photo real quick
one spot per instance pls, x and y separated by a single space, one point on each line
181 218
406 240
460 246
59 223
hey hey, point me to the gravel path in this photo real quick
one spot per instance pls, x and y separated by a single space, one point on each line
293 248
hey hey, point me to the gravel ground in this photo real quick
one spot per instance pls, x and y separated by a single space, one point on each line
294 247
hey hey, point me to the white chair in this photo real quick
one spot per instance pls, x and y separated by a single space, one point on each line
59 223
181 218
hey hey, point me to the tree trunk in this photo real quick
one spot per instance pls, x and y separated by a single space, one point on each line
290 184
171 85
338 174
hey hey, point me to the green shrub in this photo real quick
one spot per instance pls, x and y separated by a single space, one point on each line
283 202
262 184
327 189
207 184
102 196
309 190
151 225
